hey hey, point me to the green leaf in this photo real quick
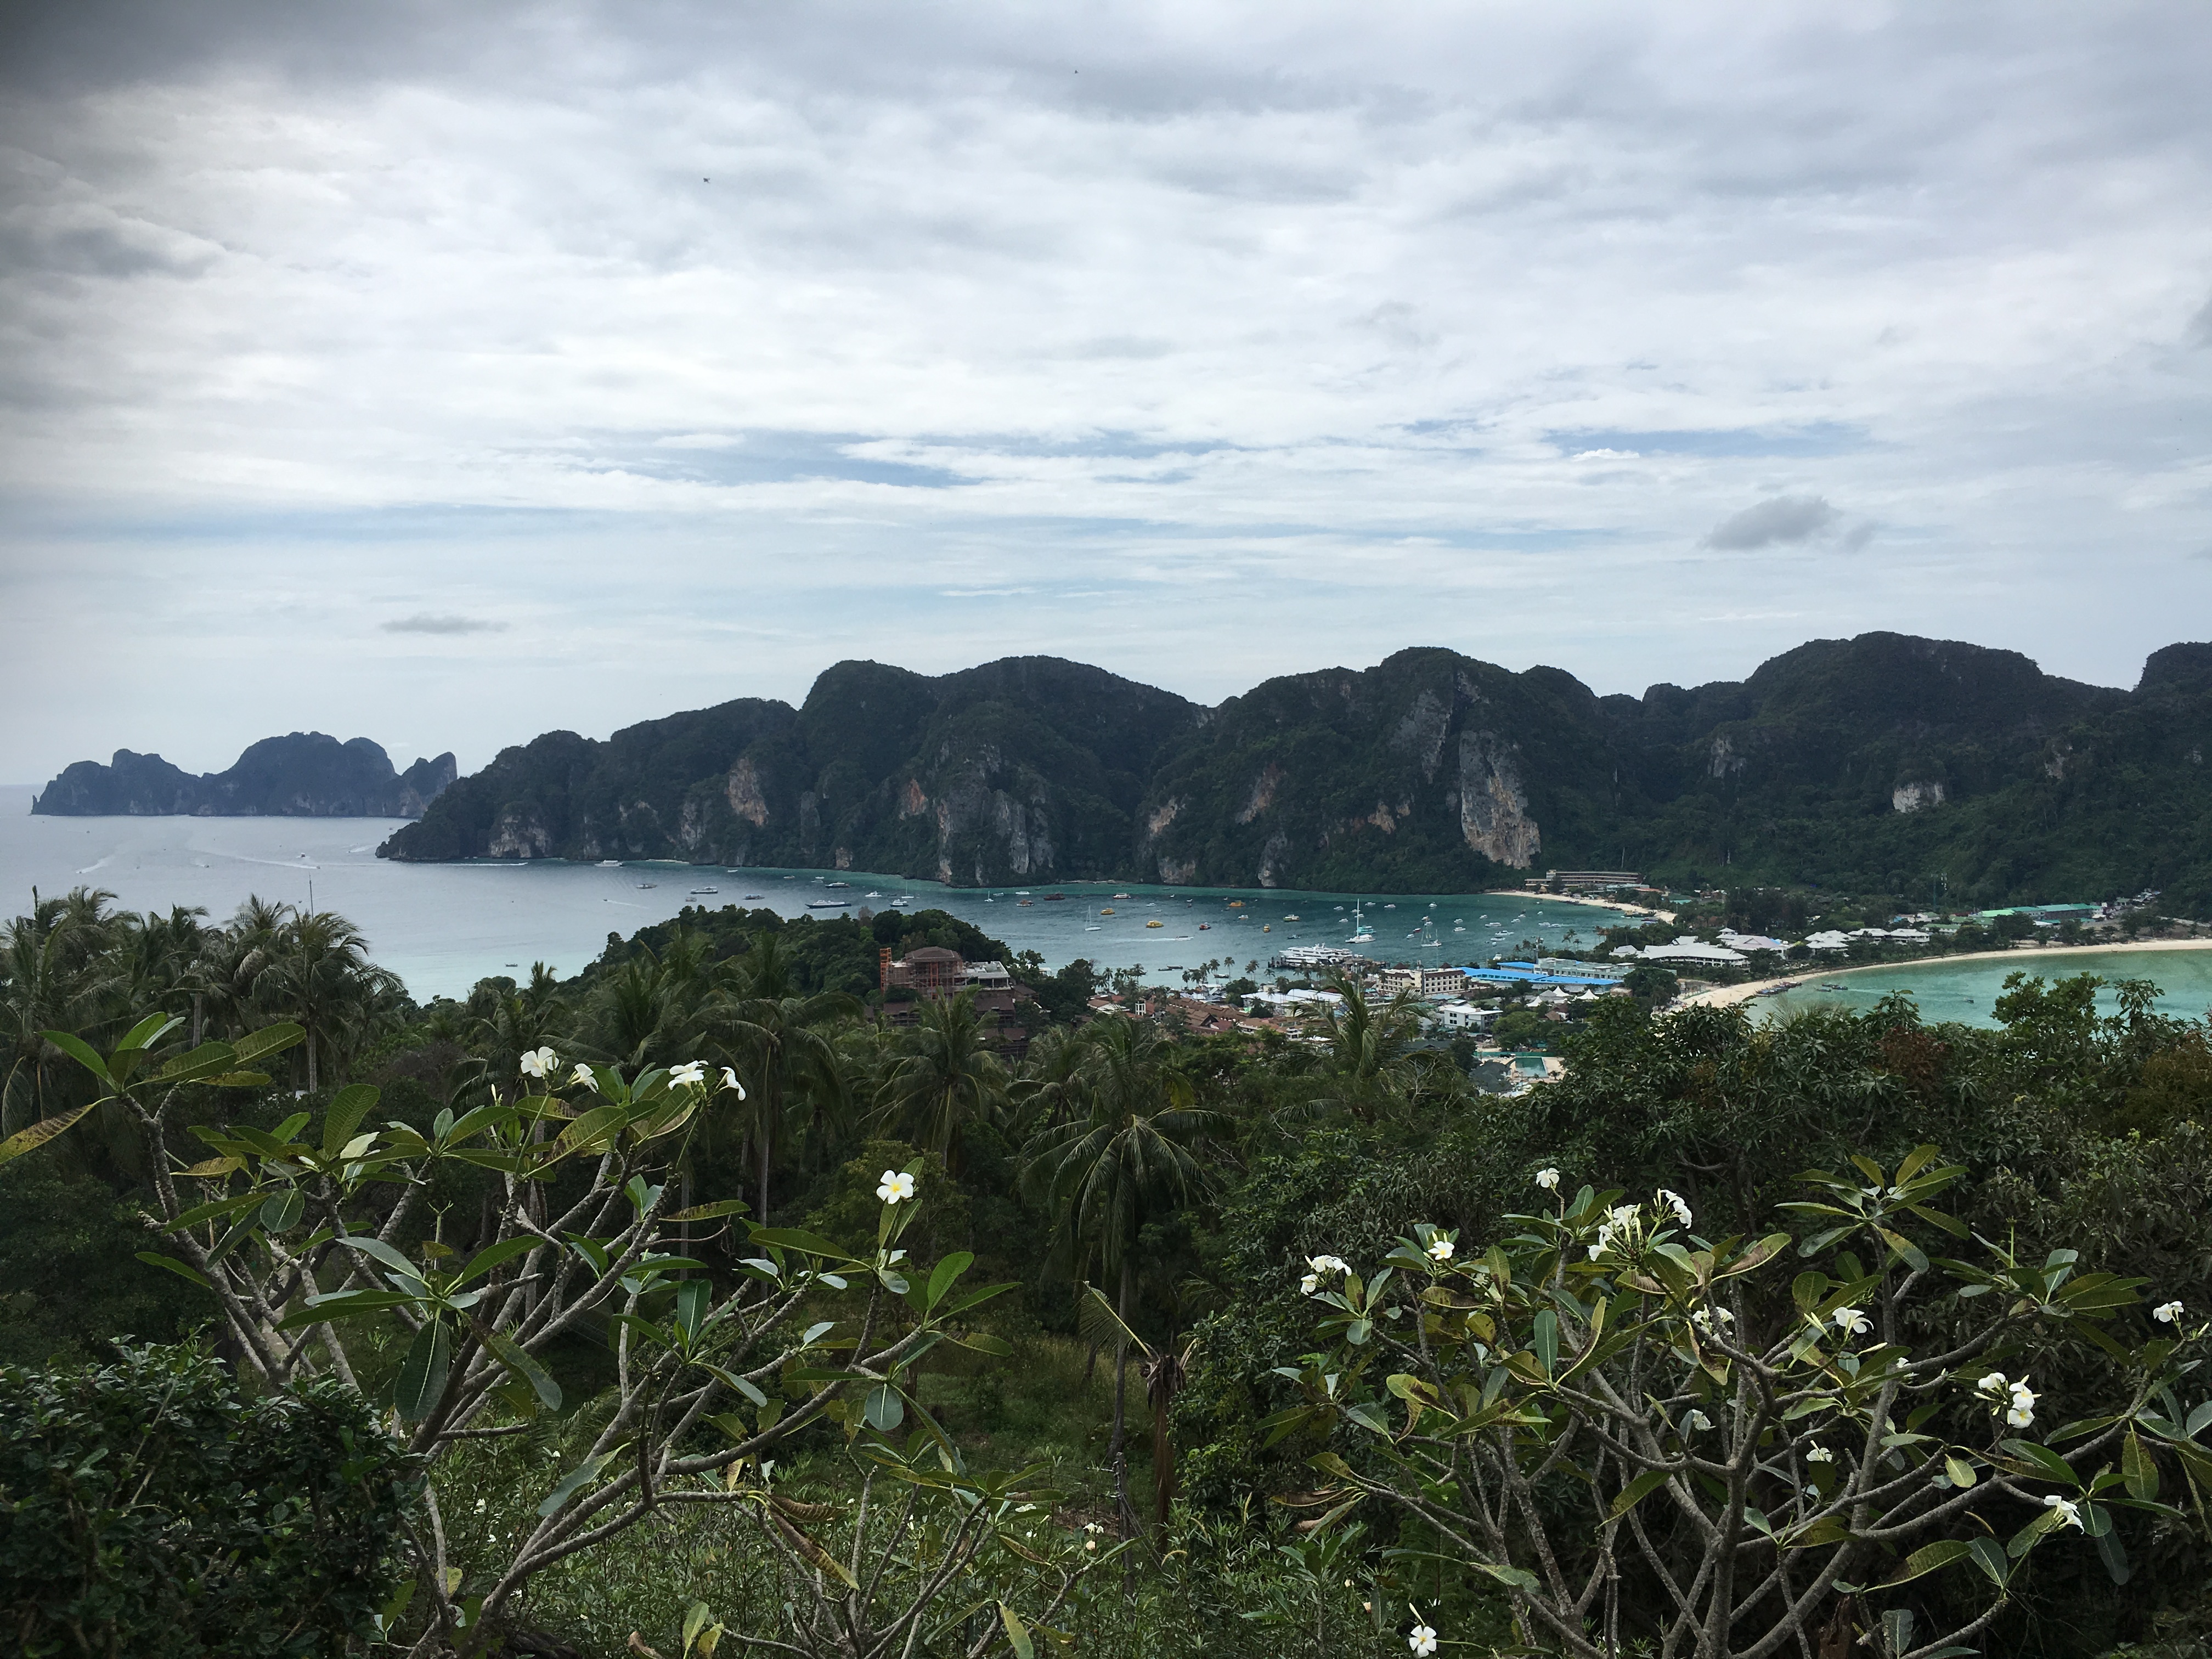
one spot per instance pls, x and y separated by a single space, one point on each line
348 1107
940 1280
580 1476
1927 1559
797 1238
369 1245
719 1207
281 1212
1017 1634
2138 1468
180 1268
344 1304
269 1040
150 1030
208 1211
1636 1492
1961 1472
1546 1341
512 1354
1989 1555
82 1052
1512 1577
493 1255
884 1410
30 1139
421 1381
2046 1461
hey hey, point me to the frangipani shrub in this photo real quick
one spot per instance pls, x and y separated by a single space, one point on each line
309 1236
1650 1441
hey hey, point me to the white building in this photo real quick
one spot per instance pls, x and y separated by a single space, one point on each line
1829 938
1692 953
1461 1016
1284 1002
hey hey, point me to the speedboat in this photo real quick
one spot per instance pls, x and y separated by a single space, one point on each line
706 889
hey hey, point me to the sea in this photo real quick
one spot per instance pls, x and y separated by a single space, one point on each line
1966 991
441 928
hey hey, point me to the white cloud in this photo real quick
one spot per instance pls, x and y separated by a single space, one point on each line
1292 302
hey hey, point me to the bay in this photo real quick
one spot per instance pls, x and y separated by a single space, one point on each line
1966 991
443 926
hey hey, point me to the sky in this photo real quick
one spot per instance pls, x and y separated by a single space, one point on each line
446 375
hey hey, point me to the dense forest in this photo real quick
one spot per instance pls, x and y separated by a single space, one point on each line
1874 763
930 1339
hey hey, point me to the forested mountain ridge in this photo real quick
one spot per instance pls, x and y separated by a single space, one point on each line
304 774
1873 763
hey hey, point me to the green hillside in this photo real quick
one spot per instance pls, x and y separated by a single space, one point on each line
1876 764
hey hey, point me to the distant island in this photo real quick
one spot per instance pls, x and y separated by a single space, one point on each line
1882 763
306 774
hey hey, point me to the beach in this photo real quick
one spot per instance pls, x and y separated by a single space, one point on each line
1722 996
1621 905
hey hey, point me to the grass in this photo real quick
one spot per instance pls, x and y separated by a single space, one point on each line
1226 1589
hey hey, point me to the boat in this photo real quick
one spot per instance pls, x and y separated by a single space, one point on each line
874 894
755 895
1108 911
1054 898
1203 925
610 864
646 886
1265 928
705 889
840 883
828 904
1089 927
1025 901
1389 907
1120 896
1162 924
1289 918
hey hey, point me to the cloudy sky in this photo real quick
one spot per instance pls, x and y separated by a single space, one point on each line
447 375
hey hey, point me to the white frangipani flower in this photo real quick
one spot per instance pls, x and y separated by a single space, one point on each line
583 1074
691 1073
1422 1640
2168 1313
730 1081
895 1187
1994 1384
2069 1512
1675 1202
1820 1454
1698 1421
1851 1321
1440 1249
540 1062
2021 1411
1309 1283
1548 1179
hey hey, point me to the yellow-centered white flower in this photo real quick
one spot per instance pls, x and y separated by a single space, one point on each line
896 1187
540 1063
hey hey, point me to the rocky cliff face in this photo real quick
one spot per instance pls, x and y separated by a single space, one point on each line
306 774
1864 764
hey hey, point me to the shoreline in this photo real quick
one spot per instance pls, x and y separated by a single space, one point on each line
1727 996
1621 905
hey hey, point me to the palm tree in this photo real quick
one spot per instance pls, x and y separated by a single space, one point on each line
946 1079
1373 1062
233 958
776 1037
1133 1158
319 975
55 975
504 1025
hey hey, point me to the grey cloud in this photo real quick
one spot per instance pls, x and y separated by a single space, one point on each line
424 622
1781 520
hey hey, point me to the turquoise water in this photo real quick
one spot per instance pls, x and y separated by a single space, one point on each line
1965 991
442 927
